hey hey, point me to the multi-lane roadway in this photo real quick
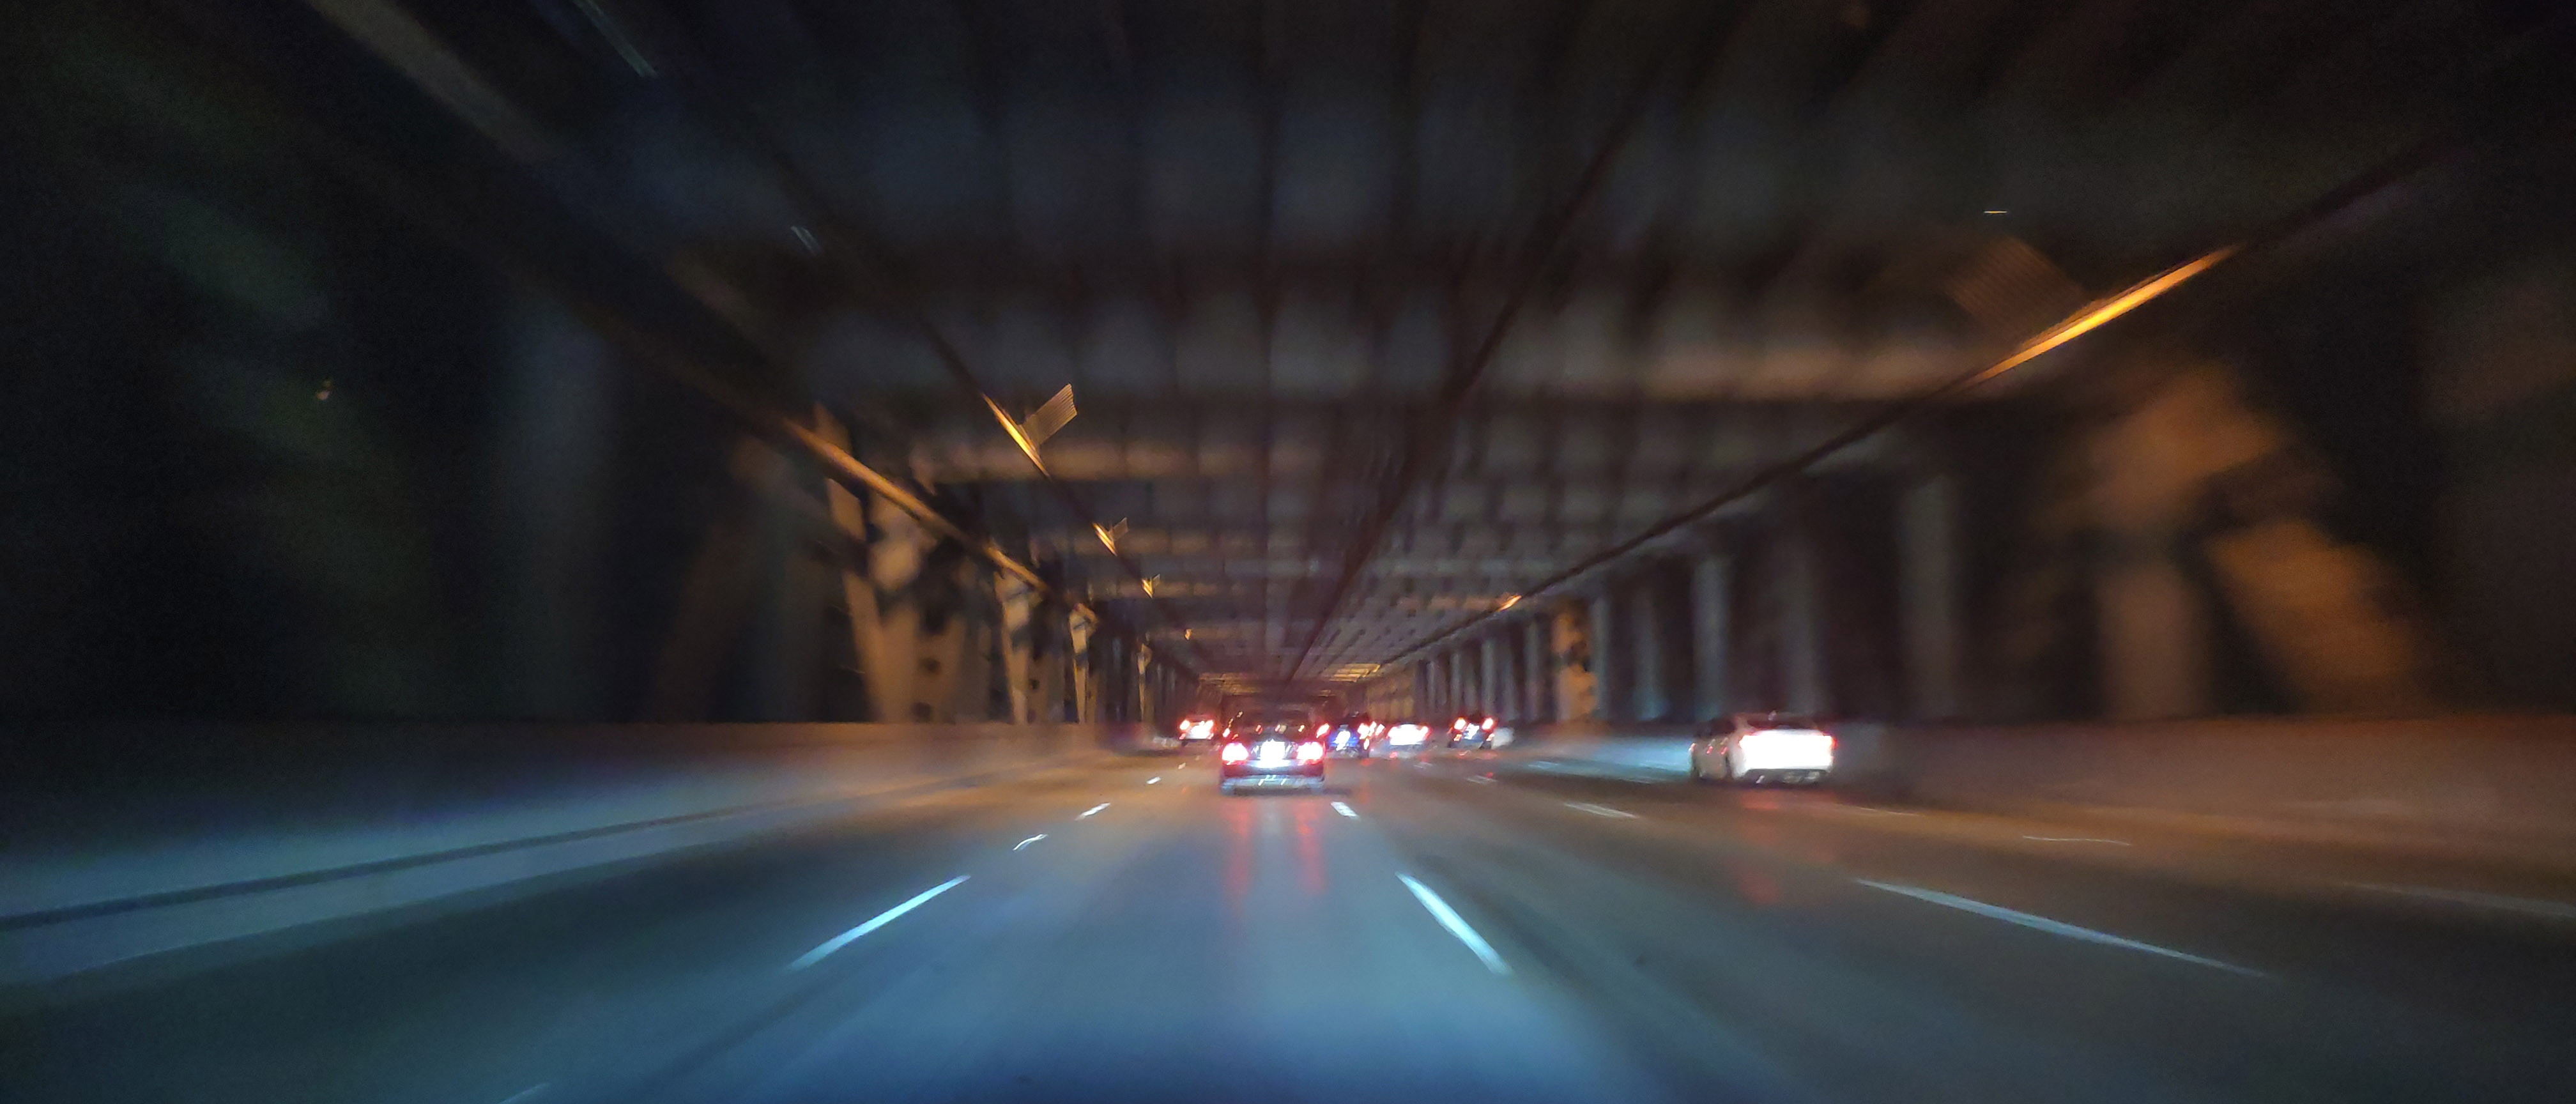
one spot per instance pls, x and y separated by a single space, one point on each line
1453 929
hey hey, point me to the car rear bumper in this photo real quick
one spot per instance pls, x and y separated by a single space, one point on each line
1273 781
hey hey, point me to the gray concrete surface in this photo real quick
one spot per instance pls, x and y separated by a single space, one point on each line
1656 941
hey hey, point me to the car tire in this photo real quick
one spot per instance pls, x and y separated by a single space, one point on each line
1698 773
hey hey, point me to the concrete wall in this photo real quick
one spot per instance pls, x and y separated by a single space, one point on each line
275 829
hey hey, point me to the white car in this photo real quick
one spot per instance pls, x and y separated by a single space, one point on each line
1407 737
1762 747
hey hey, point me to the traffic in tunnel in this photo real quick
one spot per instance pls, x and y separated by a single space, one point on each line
1289 550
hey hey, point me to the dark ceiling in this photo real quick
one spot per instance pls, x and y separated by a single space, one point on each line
1432 297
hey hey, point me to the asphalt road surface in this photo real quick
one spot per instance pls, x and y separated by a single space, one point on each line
1443 930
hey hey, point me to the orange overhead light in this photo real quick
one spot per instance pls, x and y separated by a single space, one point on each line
2102 311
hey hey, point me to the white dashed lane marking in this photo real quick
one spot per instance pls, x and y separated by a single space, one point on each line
878 921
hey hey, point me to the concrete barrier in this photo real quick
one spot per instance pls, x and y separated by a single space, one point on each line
2488 785
2466 782
218 834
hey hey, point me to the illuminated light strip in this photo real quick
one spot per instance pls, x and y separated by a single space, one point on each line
1086 813
1028 841
1448 918
882 919
2052 927
1151 781
2107 310
1017 437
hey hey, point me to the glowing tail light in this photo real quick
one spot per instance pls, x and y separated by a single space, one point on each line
1234 753
1310 752
1489 723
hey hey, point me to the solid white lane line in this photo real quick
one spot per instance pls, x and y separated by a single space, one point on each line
1028 841
527 1094
1448 918
1479 778
1873 811
1093 809
881 919
1345 810
2052 927
2078 839
1601 810
2556 910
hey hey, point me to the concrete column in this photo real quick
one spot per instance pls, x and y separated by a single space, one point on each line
1421 679
1570 658
946 685
1145 672
1489 657
1610 677
1928 551
1457 680
1646 657
1538 678
1051 673
1079 627
1712 600
1802 629
2155 639
1019 644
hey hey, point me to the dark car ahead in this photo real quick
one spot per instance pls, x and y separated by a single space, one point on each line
1353 736
1473 730
1278 756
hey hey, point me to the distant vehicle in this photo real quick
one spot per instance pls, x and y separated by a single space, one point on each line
1280 756
1354 736
1475 730
1404 736
1763 747
1197 728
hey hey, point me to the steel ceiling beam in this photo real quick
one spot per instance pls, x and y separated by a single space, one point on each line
1430 433
2356 193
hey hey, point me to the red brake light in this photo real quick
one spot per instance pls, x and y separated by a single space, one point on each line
1234 753
1310 752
